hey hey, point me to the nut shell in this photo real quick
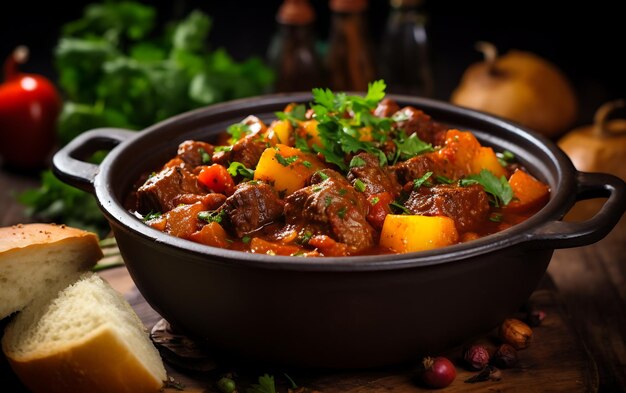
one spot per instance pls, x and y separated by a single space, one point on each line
516 333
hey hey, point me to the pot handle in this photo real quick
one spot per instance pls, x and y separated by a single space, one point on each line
69 165
561 234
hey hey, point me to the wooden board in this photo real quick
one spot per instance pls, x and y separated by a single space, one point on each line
556 361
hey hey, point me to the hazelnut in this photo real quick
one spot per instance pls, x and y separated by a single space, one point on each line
516 333
505 356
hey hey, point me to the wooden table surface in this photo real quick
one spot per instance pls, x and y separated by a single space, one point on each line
591 280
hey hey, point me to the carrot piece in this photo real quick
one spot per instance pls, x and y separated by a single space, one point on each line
260 246
529 193
217 179
182 221
212 234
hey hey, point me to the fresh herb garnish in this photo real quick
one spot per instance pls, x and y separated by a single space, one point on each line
237 168
341 135
342 212
357 162
266 385
322 175
342 191
206 158
400 207
223 148
317 189
306 236
246 239
151 216
212 216
328 200
417 183
499 190
291 381
285 161
409 147
301 143
495 217
505 158
238 131
307 164
295 116
443 179
374 200
359 185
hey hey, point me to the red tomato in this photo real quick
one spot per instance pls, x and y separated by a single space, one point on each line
379 208
217 179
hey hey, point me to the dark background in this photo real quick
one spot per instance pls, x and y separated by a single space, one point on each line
586 43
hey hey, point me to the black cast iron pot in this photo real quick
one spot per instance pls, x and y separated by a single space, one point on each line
336 312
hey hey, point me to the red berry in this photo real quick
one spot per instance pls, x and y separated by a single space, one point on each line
438 372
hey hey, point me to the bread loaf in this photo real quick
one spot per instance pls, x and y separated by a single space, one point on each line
38 257
86 338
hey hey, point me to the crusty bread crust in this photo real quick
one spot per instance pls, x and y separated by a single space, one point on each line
35 258
99 363
29 235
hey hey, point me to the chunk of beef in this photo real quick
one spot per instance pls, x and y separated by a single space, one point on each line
418 122
331 206
160 192
247 151
195 153
416 167
376 178
467 206
251 206
386 108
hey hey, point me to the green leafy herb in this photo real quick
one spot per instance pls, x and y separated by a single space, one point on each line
417 183
342 212
409 147
237 168
266 385
151 216
297 114
285 161
359 185
301 143
212 216
357 162
307 164
342 191
238 130
443 179
246 239
306 236
342 136
398 206
505 158
328 200
206 158
374 200
322 175
498 189
291 381
223 148
317 189
495 217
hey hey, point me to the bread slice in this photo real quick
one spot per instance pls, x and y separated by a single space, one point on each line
37 257
87 338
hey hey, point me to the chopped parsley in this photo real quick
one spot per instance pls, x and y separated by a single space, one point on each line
306 236
505 158
317 189
322 175
422 181
151 216
499 190
443 179
307 164
285 161
409 147
342 212
206 158
237 168
223 148
327 201
246 239
301 143
212 216
495 217
295 116
359 185
238 131
374 200
399 207
342 191
357 162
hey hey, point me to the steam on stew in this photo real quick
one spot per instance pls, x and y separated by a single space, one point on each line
350 175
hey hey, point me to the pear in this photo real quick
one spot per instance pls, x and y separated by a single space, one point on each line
519 86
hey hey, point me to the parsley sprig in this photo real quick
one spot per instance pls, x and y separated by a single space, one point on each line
498 189
341 134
